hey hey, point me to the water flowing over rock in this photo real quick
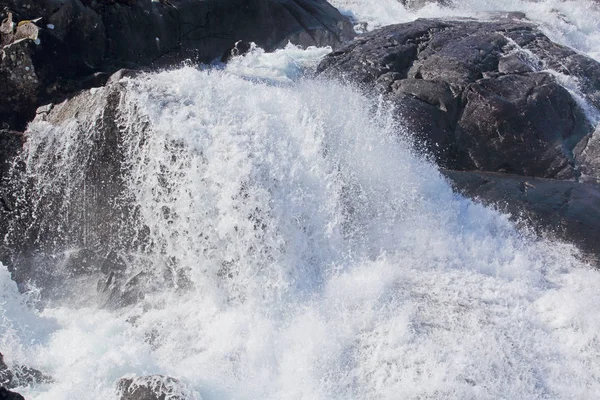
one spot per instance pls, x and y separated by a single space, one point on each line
153 387
560 209
20 375
492 96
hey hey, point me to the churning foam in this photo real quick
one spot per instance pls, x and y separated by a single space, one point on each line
327 261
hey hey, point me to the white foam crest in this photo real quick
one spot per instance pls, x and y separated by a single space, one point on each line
327 262
575 23
282 66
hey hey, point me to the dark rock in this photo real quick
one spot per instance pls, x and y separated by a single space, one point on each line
416 4
152 387
25 376
11 143
6 394
477 95
562 209
21 83
20 375
6 375
70 45
70 218
240 48
79 235
587 154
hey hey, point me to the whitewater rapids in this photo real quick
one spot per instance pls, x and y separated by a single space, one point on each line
352 269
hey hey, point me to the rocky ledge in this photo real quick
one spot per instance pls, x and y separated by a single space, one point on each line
499 101
492 96
52 48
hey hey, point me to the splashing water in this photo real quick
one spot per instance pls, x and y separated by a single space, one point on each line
326 260
574 23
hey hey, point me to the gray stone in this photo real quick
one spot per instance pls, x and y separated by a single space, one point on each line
477 95
153 387
565 210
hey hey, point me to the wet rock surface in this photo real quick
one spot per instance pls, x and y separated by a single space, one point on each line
490 96
73 212
153 387
51 49
560 209
499 101
6 394
20 375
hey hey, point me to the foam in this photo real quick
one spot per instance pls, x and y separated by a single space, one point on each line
351 268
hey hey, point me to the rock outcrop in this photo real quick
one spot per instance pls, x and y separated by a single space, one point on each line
6 394
566 210
506 112
154 387
73 212
490 96
20 375
52 48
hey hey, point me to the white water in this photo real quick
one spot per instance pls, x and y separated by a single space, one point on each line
351 269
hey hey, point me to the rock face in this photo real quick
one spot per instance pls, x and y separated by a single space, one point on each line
69 41
6 394
153 387
422 3
500 107
564 209
20 375
488 96
73 211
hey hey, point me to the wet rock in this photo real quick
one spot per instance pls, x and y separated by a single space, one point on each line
20 375
416 4
562 209
80 232
240 48
587 154
73 213
6 394
69 45
478 95
21 84
154 387
6 375
11 143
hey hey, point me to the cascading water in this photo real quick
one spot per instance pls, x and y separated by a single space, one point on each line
319 256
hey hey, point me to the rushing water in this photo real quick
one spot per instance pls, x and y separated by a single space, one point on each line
327 260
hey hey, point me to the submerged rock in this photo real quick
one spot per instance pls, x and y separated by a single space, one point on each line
489 96
71 218
154 387
6 375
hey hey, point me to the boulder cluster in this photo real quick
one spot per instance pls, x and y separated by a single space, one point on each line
509 115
